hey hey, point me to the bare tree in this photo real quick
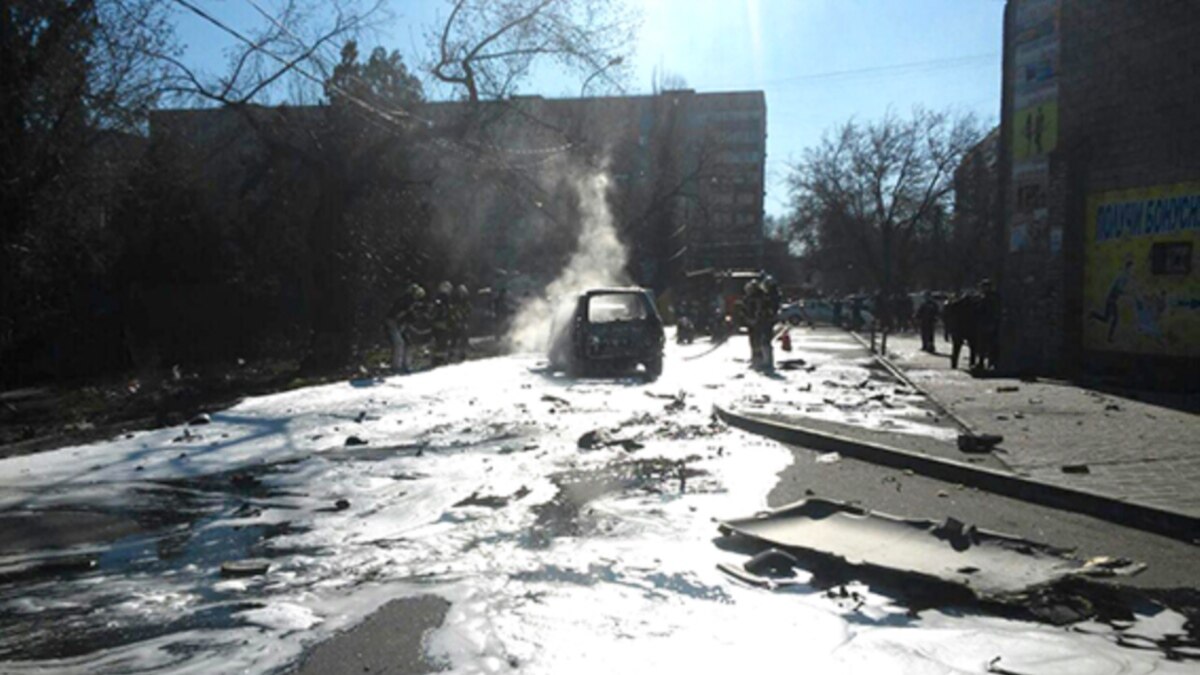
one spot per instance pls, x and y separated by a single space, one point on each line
664 80
76 78
288 52
869 191
487 48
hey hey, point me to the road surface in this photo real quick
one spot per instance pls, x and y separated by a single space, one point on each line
467 491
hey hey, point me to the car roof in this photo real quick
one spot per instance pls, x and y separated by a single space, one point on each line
613 290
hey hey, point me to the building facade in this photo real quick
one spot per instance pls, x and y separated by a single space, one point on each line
1100 183
685 172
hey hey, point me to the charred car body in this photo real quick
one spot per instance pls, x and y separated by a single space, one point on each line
609 330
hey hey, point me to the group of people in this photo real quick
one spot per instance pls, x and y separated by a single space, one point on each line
443 321
761 300
970 318
973 319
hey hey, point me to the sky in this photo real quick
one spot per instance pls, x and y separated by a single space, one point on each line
819 62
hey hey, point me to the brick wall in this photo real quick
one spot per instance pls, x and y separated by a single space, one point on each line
1129 103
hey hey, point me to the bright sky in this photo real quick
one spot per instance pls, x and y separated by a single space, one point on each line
820 62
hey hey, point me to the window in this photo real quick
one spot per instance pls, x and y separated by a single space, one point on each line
1171 257
615 307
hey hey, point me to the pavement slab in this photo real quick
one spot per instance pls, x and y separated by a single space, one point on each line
1109 443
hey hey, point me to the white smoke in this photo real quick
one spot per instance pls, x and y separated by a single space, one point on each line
599 260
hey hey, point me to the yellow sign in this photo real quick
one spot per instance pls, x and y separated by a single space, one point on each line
1141 286
1035 131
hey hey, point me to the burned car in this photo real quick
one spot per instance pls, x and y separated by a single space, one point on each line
610 330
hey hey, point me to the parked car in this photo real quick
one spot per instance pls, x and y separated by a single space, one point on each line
795 313
611 330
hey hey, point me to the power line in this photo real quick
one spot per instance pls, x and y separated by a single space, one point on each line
893 69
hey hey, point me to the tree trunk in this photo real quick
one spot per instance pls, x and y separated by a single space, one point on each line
331 312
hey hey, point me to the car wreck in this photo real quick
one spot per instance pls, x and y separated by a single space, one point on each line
609 331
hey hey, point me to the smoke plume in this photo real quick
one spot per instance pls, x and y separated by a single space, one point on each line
598 260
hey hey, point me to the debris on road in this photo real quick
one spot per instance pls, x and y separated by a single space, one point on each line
602 438
492 501
795 364
918 549
548 398
245 568
828 458
979 442
772 563
44 567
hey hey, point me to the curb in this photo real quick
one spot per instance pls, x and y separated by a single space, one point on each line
899 374
1158 520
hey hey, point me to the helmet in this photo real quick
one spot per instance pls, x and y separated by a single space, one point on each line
445 288
461 292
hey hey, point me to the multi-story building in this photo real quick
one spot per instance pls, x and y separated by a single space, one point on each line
1100 188
686 172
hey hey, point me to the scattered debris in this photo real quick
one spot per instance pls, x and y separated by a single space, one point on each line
43 567
245 568
996 564
828 458
595 439
602 438
1057 607
493 501
1076 468
1108 566
245 481
772 563
978 442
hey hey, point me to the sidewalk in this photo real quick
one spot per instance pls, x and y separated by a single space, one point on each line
1109 444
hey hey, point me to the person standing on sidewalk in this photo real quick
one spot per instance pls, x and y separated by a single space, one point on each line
988 324
960 324
927 315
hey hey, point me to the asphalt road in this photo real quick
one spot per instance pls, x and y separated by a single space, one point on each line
513 518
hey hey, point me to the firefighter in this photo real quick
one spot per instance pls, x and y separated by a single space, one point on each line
767 321
400 322
754 302
441 322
